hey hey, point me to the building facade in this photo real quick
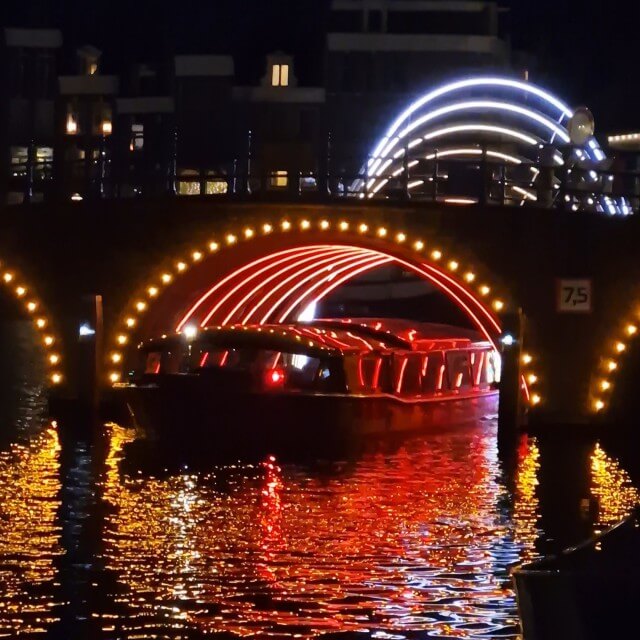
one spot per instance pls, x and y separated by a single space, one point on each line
193 126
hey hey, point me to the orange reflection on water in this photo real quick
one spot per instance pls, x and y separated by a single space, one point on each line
612 488
526 512
403 541
29 486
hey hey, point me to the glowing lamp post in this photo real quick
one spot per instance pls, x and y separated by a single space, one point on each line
87 372
510 414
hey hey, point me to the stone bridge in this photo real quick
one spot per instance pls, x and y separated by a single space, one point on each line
150 260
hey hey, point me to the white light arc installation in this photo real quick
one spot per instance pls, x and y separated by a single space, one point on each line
504 114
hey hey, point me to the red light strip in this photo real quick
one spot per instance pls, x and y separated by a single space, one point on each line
297 272
352 260
403 367
440 378
480 368
232 275
376 373
433 275
237 287
360 378
466 293
334 284
355 337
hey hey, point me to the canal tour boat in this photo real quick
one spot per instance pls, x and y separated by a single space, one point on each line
316 381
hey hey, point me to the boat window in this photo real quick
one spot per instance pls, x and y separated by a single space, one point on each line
459 370
482 367
164 362
407 373
152 362
370 376
300 370
367 373
432 370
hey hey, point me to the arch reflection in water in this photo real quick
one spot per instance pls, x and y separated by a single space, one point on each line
612 489
29 534
412 540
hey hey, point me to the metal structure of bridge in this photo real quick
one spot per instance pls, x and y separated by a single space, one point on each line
551 281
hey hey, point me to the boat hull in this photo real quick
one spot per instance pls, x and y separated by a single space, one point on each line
275 421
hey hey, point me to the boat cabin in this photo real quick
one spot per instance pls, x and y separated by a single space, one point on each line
363 358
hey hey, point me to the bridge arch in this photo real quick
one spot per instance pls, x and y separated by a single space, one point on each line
279 267
32 306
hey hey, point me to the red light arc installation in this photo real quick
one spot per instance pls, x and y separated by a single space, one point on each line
316 258
274 288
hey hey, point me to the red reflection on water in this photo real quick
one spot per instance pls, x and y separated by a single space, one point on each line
411 539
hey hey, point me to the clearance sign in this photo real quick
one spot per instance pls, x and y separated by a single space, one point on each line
574 295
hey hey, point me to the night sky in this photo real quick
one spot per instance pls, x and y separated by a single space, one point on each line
588 52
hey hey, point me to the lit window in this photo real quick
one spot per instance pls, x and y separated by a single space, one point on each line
72 125
44 154
188 182
137 137
214 187
279 179
189 188
18 155
280 75
93 68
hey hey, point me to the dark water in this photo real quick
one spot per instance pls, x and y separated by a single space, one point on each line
109 537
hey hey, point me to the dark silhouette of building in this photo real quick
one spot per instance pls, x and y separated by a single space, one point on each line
191 125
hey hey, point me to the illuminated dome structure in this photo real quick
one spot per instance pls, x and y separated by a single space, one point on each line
512 127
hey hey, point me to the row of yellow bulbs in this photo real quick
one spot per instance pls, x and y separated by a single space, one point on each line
152 291
609 365
33 307
531 378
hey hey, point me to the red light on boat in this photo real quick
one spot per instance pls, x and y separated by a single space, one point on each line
275 378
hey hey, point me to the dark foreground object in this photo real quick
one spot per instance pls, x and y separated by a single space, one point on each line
587 592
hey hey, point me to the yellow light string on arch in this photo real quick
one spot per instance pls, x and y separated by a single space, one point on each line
24 294
602 382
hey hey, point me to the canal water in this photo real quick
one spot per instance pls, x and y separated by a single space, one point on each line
113 536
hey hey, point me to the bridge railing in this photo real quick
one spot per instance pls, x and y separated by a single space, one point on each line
430 176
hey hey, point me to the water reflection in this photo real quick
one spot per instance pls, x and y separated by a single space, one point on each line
29 534
526 514
612 489
411 539
416 539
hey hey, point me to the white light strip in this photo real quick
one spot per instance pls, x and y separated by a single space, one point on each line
486 104
479 127
465 84
488 128
464 151
525 193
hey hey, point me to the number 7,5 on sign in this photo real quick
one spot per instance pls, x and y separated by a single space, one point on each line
574 295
